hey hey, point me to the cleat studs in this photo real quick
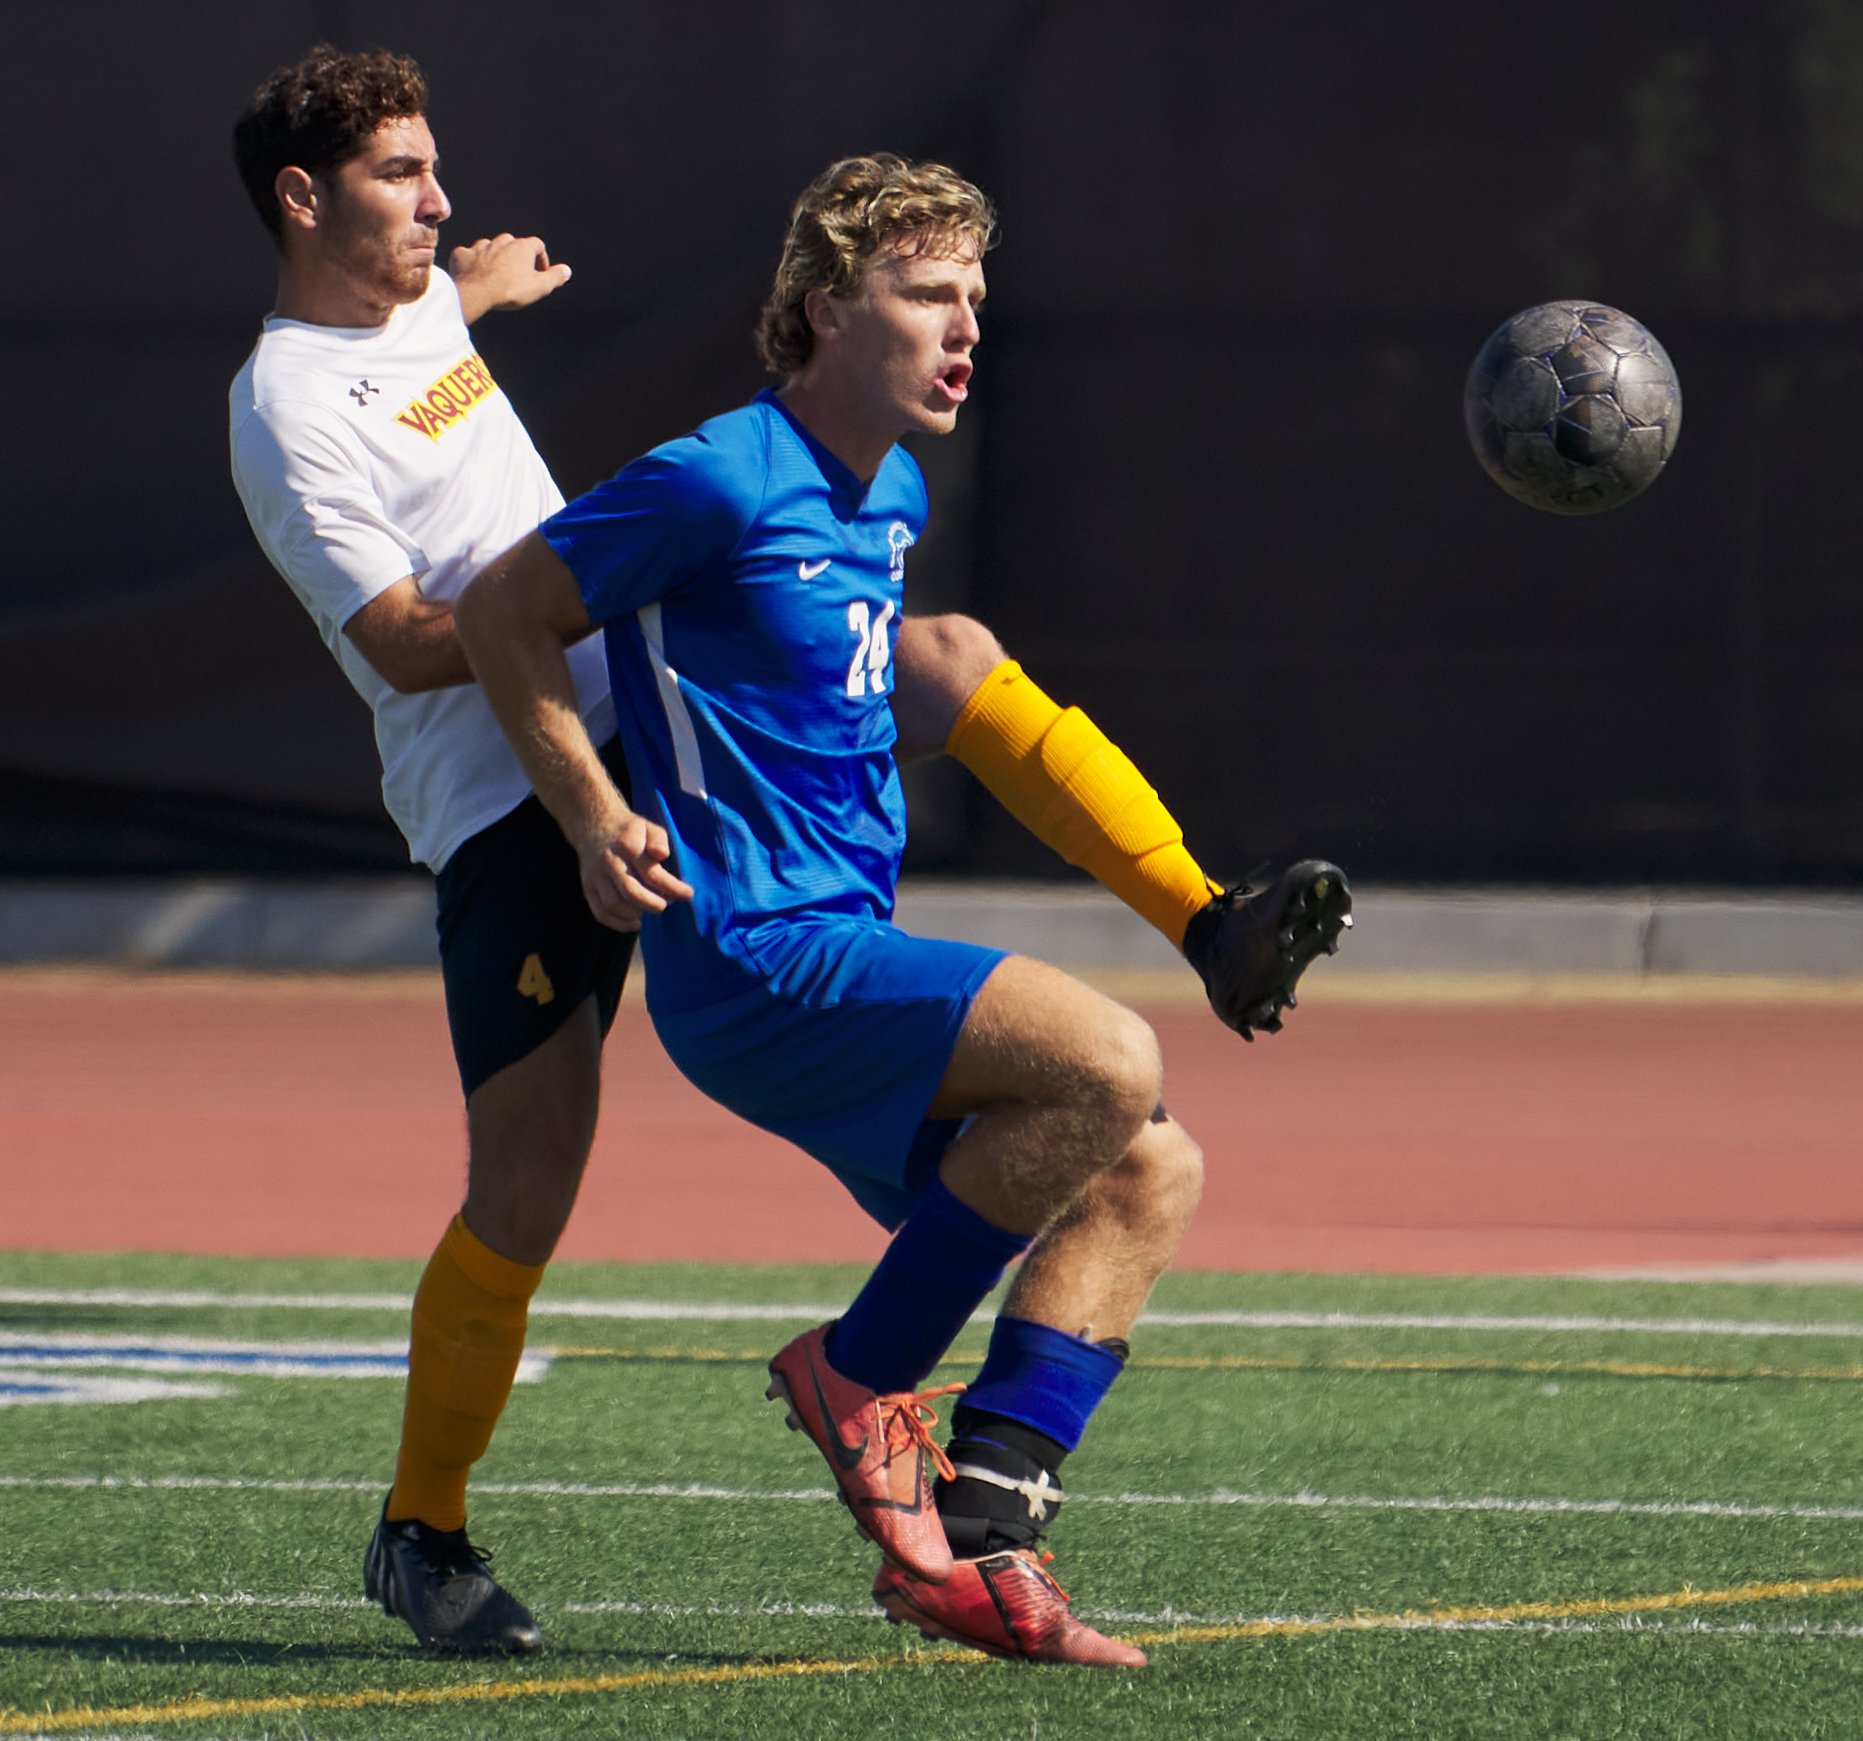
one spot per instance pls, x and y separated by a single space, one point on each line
778 1391
1293 1003
793 1421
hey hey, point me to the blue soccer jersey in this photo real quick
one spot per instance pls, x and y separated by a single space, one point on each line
751 586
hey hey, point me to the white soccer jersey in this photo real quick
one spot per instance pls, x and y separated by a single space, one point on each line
364 455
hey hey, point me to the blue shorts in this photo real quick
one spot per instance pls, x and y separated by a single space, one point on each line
839 1049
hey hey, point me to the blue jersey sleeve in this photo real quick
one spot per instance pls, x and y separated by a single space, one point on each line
663 520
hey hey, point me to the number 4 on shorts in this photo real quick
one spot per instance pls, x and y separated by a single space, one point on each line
533 981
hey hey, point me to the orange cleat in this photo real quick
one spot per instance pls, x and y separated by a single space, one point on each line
1005 1605
880 1449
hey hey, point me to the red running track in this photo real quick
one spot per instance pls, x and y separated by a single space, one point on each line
321 1117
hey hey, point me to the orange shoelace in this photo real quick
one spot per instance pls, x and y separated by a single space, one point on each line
909 1421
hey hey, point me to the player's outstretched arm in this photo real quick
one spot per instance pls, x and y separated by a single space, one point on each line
503 271
1059 775
1051 768
514 621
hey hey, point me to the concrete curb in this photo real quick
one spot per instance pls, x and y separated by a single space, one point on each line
389 924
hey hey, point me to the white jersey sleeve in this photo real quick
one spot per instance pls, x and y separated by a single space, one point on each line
314 509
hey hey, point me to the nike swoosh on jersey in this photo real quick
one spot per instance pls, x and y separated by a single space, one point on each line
809 570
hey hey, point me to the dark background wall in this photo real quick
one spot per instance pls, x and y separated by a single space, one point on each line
1212 483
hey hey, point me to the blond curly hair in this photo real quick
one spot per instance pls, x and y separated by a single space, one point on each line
846 218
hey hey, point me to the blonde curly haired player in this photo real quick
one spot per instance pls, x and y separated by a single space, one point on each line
747 579
1052 768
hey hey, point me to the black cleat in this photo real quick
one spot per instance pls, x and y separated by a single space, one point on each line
438 1583
1251 946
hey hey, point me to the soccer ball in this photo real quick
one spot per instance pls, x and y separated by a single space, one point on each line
1572 407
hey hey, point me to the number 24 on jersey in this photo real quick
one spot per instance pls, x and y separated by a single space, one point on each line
866 671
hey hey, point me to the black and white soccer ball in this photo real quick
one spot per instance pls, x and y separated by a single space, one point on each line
1573 407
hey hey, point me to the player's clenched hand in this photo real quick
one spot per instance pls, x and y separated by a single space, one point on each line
624 873
504 271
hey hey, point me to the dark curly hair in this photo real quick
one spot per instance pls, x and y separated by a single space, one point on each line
844 220
317 115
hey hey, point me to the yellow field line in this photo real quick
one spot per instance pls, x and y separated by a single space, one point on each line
1274 1363
197 1709
1419 1619
1543 1368
194 1710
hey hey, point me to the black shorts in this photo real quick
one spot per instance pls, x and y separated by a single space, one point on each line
519 948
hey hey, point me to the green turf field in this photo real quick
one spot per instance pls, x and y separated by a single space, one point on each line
1326 1505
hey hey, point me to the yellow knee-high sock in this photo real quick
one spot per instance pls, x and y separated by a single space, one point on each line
1059 775
470 1312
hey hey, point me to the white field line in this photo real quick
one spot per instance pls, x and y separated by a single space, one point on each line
118 1735
1167 1616
721 1312
1499 1504
28 1387
72 1351
200 1297
179 1599
17 1344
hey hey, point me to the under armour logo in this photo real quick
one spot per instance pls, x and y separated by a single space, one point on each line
362 389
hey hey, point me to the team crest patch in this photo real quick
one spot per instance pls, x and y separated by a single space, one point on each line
899 540
456 393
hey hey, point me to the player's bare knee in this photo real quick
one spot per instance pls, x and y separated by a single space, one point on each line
1158 1181
1173 1162
1130 1066
543 1148
526 1152
519 1196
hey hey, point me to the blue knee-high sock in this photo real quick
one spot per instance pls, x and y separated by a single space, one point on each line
942 1263
1042 1377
